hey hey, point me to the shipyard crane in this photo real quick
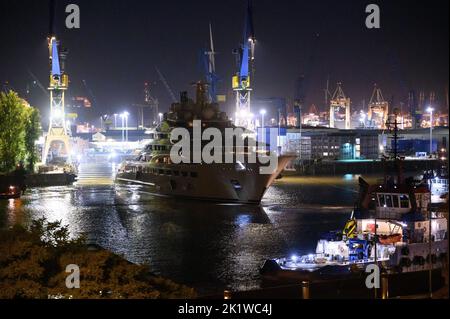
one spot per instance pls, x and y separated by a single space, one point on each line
89 91
242 81
166 85
38 83
378 109
337 102
209 65
150 102
59 83
6 87
299 99
303 81
327 92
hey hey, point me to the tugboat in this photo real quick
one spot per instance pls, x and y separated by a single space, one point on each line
392 226
237 181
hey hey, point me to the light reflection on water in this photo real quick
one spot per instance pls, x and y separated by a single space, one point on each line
206 245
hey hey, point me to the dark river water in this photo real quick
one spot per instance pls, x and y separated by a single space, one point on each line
204 245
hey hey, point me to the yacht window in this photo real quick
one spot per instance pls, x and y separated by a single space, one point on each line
388 199
381 200
395 200
404 201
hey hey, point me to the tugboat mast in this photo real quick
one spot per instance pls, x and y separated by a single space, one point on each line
393 125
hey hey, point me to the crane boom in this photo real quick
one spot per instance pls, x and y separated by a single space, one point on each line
89 91
38 83
169 90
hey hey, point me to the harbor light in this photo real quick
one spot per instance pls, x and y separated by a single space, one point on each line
124 117
294 258
263 113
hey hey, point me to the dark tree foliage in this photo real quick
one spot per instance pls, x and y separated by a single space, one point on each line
33 266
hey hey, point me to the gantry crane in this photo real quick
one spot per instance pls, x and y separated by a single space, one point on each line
242 80
339 101
59 83
378 109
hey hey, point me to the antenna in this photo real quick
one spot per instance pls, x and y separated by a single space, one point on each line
212 53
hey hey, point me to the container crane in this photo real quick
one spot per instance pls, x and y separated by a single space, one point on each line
378 109
337 102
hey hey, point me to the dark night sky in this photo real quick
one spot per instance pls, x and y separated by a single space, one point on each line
120 42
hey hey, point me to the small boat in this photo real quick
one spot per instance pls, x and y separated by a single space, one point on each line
9 192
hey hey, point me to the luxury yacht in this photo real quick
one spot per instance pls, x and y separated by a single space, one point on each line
239 180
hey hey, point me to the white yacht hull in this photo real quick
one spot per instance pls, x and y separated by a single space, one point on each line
213 182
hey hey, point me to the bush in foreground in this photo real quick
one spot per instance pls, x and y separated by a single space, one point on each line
33 265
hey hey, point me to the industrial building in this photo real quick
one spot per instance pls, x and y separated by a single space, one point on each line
416 142
331 144
335 144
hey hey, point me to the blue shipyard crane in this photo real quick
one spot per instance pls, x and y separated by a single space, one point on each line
241 81
209 66
58 132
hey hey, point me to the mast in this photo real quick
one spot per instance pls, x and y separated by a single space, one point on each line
393 126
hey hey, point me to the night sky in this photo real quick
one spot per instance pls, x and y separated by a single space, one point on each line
120 42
